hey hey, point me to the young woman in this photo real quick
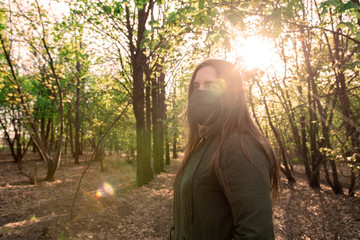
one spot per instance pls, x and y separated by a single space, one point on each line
229 174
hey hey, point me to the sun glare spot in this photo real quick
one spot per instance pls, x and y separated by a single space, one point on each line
255 52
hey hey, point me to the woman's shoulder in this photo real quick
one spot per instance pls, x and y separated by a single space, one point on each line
236 140
244 146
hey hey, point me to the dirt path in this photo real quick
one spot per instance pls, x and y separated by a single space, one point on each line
42 211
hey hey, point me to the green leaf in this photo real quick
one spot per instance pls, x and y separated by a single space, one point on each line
335 3
208 20
154 23
235 17
118 9
325 5
107 9
201 4
210 2
2 26
357 15
342 25
212 12
357 37
349 5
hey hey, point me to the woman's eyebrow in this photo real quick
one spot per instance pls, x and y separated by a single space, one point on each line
210 81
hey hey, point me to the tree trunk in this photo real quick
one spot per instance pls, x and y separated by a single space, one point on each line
167 144
352 134
82 144
70 135
155 119
337 185
143 172
287 170
66 144
327 175
175 131
314 180
138 59
167 149
162 118
174 146
149 112
253 109
99 155
304 149
51 169
77 114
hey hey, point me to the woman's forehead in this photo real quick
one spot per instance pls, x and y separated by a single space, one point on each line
205 74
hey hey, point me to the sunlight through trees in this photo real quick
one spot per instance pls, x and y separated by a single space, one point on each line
68 68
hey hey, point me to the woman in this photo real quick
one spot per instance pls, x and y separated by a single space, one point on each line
224 186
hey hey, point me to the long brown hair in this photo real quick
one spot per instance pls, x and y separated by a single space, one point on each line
234 117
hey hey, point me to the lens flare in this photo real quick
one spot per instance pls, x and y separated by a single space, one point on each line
108 189
98 193
105 189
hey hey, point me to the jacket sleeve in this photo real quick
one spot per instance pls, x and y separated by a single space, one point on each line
249 194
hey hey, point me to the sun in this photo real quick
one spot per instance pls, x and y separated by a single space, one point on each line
255 52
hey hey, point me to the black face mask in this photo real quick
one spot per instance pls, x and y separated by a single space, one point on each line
204 106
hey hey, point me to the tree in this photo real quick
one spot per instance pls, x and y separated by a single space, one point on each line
43 52
139 55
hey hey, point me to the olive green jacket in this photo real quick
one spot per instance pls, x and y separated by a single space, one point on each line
203 210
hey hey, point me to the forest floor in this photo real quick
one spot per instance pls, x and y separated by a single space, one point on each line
42 211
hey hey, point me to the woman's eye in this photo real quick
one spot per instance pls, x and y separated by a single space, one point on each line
195 87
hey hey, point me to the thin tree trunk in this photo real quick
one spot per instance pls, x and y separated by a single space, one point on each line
287 170
167 149
253 109
162 118
71 135
9 141
174 145
351 132
167 144
175 131
314 180
77 113
304 149
155 118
